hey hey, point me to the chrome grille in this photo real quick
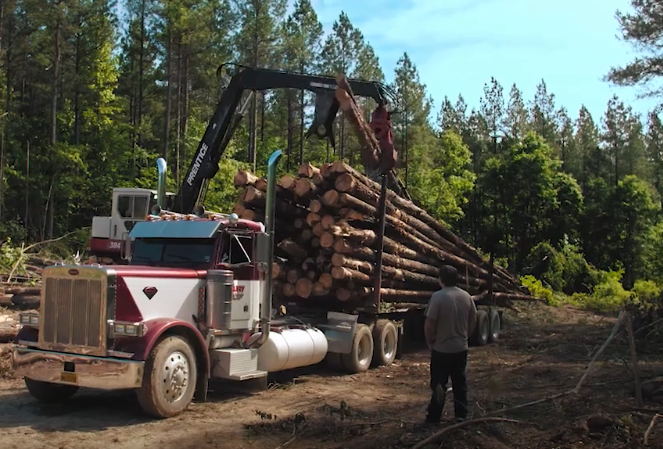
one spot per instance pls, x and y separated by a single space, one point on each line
73 312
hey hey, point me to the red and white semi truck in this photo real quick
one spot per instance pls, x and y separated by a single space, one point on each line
176 316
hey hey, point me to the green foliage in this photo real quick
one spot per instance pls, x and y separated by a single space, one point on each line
608 293
440 178
536 288
565 270
646 291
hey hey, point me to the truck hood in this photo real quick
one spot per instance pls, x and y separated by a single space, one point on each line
156 272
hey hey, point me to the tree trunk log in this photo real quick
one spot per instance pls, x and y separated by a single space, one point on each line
339 168
244 178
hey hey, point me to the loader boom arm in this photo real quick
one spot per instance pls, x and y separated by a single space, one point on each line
205 162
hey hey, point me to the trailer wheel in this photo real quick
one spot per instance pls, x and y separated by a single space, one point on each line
49 393
385 343
495 326
482 329
359 359
169 381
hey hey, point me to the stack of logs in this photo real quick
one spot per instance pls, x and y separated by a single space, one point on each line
326 233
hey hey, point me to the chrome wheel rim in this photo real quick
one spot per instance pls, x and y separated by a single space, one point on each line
175 376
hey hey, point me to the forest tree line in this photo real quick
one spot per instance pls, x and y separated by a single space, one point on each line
90 99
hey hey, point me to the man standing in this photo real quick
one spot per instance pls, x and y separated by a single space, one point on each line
450 320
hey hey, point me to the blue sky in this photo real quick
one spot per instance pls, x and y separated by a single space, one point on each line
458 45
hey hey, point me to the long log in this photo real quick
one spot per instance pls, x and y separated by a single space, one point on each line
368 237
304 287
338 260
339 167
24 291
7 334
346 294
361 197
293 249
244 178
307 170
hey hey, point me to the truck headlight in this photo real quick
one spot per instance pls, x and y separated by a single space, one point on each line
29 319
123 329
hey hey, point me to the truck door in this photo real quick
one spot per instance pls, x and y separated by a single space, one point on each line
236 254
129 209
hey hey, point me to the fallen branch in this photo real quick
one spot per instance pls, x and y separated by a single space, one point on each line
634 361
528 404
459 425
650 428
292 439
605 344
653 323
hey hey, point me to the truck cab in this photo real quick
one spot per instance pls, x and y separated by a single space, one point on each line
129 206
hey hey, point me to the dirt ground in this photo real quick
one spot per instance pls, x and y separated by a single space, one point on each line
542 352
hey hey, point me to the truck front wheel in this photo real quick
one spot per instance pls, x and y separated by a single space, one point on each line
169 381
359 359
49 393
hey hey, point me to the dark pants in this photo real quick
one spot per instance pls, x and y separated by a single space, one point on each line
443 366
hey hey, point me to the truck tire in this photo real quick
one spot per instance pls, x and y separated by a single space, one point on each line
169 381
482 329
495 326
49 393
385 343
359 359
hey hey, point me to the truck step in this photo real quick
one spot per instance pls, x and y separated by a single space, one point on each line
248 375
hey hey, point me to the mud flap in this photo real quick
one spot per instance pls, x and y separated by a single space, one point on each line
339 331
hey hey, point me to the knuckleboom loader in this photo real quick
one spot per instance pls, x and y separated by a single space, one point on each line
131 205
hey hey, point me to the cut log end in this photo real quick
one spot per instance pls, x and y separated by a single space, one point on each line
244 178
304 287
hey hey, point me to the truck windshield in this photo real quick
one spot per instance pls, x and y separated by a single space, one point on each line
168 252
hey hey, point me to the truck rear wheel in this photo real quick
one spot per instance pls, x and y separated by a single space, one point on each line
482 330
169 381
359 359
385 342
49 393
495 326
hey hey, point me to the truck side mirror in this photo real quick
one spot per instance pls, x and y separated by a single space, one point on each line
263 252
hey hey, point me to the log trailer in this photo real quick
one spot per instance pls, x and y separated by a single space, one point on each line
193 303
131 205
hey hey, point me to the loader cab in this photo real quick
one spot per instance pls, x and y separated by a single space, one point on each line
129 206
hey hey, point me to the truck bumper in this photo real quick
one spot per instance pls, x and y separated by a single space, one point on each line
73 369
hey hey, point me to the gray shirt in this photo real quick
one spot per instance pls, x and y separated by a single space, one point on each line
454 313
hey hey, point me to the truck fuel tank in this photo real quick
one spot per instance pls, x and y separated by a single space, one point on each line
291 348
218 300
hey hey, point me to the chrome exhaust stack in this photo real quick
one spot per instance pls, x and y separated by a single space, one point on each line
161 186
266 250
